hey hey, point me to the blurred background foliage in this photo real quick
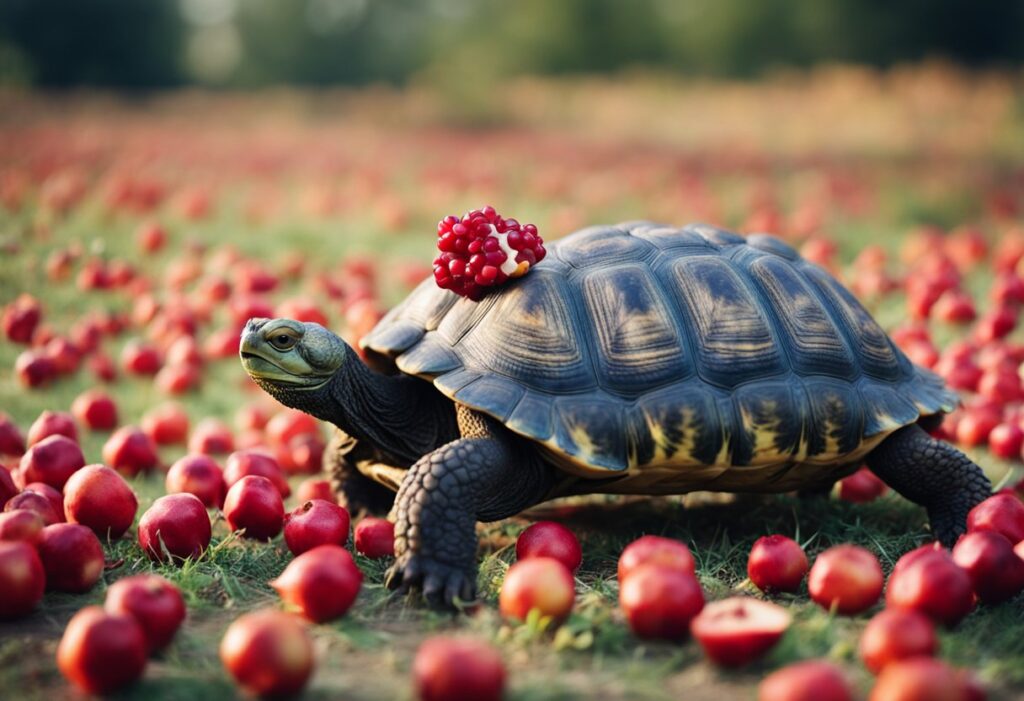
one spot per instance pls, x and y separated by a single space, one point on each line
251 43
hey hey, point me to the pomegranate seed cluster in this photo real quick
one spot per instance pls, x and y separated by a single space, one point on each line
484 250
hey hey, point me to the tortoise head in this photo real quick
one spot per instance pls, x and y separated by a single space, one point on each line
285 356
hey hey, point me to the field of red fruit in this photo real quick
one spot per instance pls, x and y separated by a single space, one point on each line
138 235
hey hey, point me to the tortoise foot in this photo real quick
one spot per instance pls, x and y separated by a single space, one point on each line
443 585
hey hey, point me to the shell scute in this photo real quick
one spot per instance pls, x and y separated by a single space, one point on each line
814 343
733 338
637 338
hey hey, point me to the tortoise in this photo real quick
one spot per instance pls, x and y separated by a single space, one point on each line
634 359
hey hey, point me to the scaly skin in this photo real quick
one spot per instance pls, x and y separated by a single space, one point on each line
485 476
933 474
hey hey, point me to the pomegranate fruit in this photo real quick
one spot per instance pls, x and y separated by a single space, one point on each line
316 522
736 631
269 653
457 669
101 652
155 603
321 583
550 539
22 579
660 602
254 504
175 527
777 563
72 557
99 498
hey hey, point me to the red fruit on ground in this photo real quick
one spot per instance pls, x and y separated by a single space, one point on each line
95 409
55 498
21 525
287 425
316 522
37 504
975 427
211 437
483 250
102 367
166 424
861 487
34 369
64 354
253 417
736 631
199 475
1005 441
846 577
22 579
321 583
99 498
375 537
550 539
954 307
101 652
11 440
653 549
918 679
311 488
540 583
1001 513
1001 385
897 634
995 323
177 379
222 343
130 451
996 573
175 527
21 317
52 423
72 557
243 463
51 461
150 237
303 309
254 504
457 669
141 358
660 602
811 680
927 580
7 486
305 454
269 653
777 563
155 603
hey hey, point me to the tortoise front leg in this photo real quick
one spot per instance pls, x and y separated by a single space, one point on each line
933 474
483 478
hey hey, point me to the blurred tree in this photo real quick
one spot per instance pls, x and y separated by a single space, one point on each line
470 42
101 42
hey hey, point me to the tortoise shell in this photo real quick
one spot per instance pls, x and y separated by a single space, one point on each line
679 358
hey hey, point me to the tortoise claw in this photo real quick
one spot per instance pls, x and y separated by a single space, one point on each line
442 584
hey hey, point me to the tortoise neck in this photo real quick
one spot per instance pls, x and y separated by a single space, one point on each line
402 416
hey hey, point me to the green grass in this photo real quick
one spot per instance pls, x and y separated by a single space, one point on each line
367 654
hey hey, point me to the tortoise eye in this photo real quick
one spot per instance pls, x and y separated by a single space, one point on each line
282 341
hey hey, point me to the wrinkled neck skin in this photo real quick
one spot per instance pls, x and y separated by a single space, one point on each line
402 416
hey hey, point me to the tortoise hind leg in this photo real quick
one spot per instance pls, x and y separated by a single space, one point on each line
933 474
